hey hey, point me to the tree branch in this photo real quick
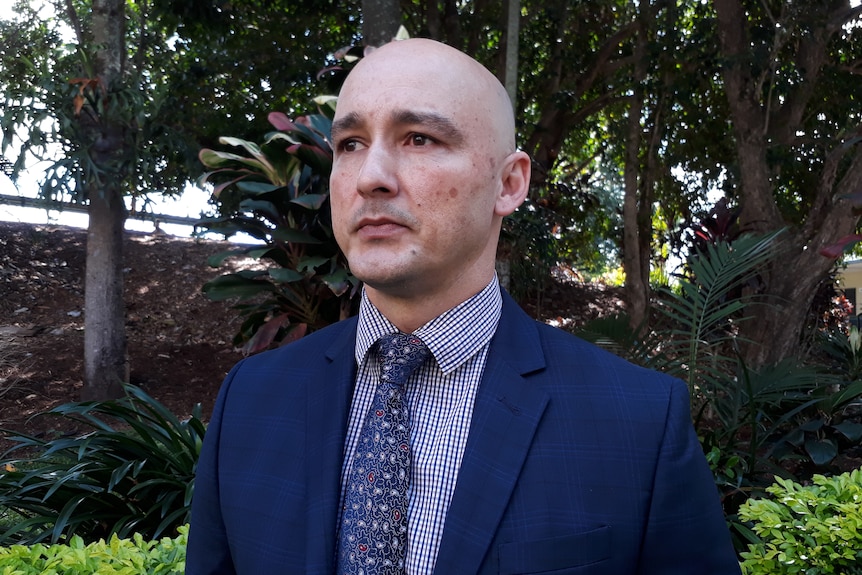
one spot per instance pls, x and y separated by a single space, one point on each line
75 22
811 57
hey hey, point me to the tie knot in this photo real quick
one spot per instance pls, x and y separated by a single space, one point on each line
400 355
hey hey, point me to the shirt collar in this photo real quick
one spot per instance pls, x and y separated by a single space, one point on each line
453 337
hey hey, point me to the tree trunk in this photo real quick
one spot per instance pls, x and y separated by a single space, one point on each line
105 366
636 201
792 280
380 21
774 331
634 265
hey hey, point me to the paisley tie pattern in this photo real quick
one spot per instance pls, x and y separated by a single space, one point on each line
373 536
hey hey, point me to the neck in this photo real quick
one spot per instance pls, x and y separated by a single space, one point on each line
409 313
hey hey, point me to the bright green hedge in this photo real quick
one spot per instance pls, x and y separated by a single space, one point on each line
116 557
810 530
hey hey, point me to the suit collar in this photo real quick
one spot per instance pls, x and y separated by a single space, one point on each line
507 411
328 407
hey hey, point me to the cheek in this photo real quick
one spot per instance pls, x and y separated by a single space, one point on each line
340 209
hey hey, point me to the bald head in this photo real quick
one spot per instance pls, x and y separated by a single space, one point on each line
456 82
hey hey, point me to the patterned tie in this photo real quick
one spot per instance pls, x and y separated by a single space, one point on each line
374 525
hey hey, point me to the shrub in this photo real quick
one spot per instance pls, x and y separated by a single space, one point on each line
279 195
117 556
133 475
811 530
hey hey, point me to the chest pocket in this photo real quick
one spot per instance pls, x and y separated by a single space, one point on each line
559 555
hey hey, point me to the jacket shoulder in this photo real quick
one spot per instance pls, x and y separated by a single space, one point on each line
565 353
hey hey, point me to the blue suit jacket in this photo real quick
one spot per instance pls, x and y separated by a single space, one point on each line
577 462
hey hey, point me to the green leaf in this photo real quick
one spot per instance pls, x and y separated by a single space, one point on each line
260 206
849 429
821 451
310 263
320 160
310 201
216 260
285 275
338 282
256 188
216 159
795 437
235 286
293 236
812 425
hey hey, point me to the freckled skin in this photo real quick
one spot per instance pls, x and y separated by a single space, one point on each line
425 169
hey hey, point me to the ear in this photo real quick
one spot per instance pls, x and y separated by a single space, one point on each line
515 183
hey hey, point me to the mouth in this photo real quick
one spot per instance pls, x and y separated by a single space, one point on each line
378 228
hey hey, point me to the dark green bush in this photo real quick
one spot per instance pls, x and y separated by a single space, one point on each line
810 530
278 193
117 556
132 472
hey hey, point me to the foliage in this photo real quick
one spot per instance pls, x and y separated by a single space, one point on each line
532 252
707 309
821 429
118 556
193 69
132 472
279 195
233 62
844 349
810 530
58 109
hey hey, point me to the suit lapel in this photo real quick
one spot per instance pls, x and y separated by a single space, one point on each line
505 417
329 399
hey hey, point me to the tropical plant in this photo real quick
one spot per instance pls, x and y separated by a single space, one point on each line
279 195
697 339
131 472
705 314
820 430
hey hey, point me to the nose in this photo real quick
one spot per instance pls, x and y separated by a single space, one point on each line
379 172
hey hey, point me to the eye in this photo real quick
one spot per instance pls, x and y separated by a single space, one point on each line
419 140
347 145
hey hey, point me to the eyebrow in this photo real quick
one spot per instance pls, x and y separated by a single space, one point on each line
436 123
344 124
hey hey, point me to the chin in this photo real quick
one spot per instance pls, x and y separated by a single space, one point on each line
395 284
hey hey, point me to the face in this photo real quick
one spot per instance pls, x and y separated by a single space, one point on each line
420 177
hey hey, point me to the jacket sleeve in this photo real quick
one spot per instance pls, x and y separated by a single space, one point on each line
208 551
686 531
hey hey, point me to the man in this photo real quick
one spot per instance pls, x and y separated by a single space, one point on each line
531 451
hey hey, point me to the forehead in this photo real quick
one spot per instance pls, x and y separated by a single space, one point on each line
399 107
375 92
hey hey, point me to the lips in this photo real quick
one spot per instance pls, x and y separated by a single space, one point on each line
372 228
